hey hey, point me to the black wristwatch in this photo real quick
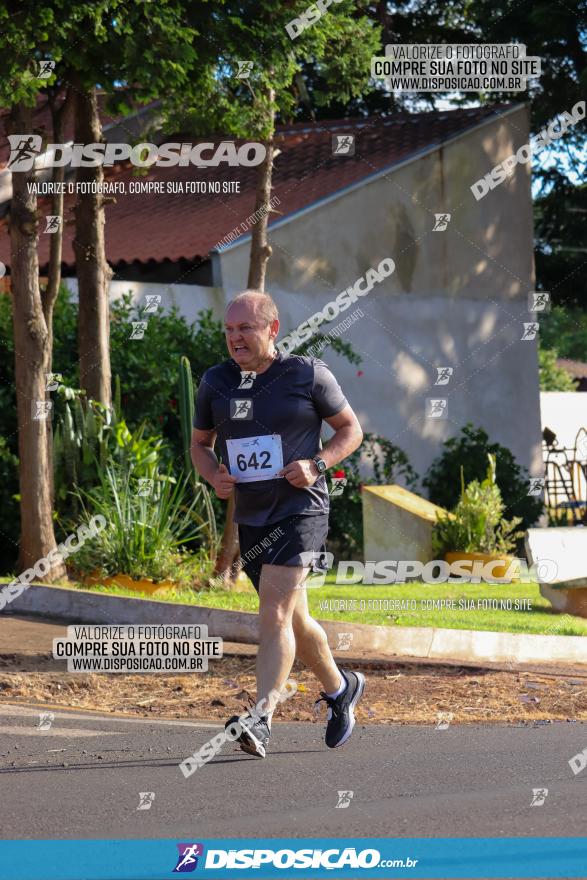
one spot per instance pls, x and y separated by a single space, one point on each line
320 465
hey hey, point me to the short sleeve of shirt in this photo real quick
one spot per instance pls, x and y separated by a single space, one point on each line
326 392
203 414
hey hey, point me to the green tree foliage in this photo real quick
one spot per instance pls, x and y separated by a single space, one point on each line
553 378
565 329
9 521
561 268
341 44
149 48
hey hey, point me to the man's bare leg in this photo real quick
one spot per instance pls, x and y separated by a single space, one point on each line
278 594
286 628
342 690
312 646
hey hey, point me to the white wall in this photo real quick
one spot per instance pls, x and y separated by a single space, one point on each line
564 412
401 341
189 298
457 298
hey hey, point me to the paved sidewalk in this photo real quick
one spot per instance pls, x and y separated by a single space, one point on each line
29 636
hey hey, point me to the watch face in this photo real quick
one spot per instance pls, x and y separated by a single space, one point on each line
320 464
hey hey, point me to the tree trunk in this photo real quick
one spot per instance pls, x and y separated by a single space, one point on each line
227 565
49 295
387 36
93 272
260 248
32 359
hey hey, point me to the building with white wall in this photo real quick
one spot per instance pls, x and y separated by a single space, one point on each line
458 297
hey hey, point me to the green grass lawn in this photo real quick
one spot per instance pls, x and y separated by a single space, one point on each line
534 614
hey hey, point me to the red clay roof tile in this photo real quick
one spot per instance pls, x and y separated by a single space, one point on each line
146 227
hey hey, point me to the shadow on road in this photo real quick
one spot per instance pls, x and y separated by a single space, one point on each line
149 762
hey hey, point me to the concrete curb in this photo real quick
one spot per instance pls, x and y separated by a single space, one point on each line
84 606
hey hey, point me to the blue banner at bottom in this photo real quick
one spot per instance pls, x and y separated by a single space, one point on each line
358 858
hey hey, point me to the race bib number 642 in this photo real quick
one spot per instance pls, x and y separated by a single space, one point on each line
255 458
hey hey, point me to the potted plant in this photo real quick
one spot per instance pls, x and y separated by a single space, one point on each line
477 529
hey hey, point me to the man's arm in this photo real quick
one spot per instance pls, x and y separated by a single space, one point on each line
347 437
206 463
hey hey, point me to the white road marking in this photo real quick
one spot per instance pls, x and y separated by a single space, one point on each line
55 731
24 711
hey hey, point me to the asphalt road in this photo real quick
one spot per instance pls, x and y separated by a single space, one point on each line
82 777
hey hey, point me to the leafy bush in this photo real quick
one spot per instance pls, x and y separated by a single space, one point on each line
98 461
553 378
390 464
564 328
147 367
469 451
10 525
145 533
478 524
86 437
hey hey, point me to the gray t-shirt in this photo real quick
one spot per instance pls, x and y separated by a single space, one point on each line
291 398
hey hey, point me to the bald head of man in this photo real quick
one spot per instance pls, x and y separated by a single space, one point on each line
251 325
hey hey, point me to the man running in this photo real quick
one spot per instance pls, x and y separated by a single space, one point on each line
265 410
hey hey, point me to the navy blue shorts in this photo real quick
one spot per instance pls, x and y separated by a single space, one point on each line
294 541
